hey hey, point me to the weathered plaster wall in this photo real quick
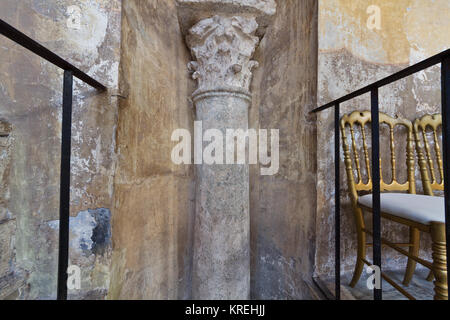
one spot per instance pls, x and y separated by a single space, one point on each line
282 207
154 198
30 100
351 56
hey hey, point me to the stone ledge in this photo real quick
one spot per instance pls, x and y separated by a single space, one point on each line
190 12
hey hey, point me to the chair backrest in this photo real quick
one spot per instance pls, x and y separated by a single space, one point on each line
359 120
429 164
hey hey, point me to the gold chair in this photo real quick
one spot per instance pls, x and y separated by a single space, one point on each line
428 169
422 145
405 208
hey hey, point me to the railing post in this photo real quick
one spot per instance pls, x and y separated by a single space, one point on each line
376 222
64 202
445 69
337 201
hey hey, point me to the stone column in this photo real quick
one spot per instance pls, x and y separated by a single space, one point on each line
222 43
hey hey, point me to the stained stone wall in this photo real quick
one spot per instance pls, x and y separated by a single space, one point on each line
352 56
154 198
282 207
147 229
87 33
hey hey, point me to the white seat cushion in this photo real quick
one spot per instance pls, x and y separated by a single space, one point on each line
415 207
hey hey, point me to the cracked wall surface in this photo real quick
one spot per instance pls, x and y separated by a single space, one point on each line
352 56
87 34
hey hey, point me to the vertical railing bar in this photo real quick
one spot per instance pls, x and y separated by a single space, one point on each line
445 88
337 197
64 204
376 185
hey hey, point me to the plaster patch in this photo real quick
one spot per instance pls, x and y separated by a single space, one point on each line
89 231
90 33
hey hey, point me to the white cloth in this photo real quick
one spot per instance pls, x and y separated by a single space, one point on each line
416 207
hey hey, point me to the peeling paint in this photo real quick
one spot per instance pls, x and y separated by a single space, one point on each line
30 92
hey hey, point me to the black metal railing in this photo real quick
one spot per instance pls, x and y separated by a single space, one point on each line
442 58
70 71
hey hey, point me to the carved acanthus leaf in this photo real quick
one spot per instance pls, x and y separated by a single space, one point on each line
223 48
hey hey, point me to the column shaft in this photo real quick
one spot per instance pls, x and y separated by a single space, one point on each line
222 241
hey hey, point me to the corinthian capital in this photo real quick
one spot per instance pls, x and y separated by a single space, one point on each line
223 48
222 36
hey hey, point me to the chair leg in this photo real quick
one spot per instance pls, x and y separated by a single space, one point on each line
414 240
361 254
439 261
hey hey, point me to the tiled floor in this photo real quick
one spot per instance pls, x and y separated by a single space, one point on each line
419 287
